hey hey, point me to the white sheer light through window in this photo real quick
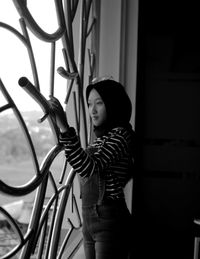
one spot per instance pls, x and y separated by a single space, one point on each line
14 60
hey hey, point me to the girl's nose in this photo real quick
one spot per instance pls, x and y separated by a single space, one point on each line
93 109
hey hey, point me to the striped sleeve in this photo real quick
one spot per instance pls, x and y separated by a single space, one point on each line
105 152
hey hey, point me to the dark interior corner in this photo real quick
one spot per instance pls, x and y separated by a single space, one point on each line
167 186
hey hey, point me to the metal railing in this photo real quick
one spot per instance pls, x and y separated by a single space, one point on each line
43 237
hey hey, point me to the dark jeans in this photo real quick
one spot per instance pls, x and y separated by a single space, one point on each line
106 231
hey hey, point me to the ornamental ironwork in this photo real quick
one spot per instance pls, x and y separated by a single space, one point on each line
44 236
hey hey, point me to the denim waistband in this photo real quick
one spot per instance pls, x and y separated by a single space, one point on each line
113 202
109 202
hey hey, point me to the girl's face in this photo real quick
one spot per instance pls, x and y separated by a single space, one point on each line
96 107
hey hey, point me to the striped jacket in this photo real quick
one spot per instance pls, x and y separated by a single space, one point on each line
109 155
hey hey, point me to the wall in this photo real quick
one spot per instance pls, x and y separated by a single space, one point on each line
118 49
167 123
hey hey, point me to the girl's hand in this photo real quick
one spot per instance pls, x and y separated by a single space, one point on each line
59 113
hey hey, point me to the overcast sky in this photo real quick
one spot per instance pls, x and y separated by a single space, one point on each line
14 61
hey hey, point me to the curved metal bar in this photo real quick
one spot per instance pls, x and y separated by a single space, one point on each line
91 27
67 75
92 60
51 226
16 249
69 91
69 21
77 211
39 200
76 112
64 52
52 70
15 32
36 181
23 189
43 173
54 199
45 215
35 28
30 53
26 41
17 230
22 123
85 10
76 243
60 215
42 240
29 248
70 58
66 238
46 210
63 172
53 182
74 8
13 223
35 94
5 107
67 38
41 100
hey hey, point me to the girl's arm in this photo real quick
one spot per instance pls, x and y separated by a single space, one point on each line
105 152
